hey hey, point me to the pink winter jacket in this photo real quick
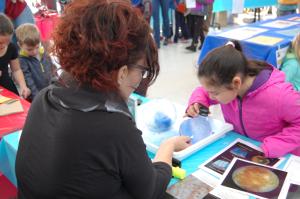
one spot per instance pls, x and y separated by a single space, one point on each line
269 114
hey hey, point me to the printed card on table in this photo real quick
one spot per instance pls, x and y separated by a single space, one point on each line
265 40
240 149
242 33
291 188
280 24
294 19
254 179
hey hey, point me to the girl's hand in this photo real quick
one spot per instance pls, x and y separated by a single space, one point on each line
193 110
25 92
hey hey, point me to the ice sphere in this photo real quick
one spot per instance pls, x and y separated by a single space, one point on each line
197 128
160 115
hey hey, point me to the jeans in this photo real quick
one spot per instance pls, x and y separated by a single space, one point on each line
180 23
2 6
25 17
164 4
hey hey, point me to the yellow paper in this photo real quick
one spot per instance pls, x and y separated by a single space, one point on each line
265 40
10 108
4 99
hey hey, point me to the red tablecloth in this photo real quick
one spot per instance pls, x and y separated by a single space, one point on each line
13 122
46 24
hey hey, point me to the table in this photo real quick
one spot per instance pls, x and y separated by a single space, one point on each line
272 54
13 122
9 146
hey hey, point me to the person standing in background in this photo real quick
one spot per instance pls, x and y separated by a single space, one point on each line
18 11
286 7
197 23
164 5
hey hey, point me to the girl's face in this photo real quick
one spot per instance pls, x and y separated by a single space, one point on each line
222 94
4 41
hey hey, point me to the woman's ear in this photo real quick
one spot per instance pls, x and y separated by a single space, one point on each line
236 82
122 74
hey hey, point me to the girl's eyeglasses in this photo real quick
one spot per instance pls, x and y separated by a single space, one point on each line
144 70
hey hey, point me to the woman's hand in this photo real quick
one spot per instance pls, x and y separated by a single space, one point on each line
25 92
179 143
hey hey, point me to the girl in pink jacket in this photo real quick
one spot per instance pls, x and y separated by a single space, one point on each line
254 97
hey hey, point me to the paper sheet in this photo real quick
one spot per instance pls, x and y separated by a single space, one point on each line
190 3
280 24
265 40
225 193
294 19
4 99
242 33
290 32
292 167
206 177
10 108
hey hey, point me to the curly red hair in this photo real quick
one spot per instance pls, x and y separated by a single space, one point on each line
94 38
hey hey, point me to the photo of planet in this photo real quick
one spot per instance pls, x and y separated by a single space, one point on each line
255 179
260 159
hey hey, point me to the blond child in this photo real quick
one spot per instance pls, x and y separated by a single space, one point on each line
9 56
291 66
35 63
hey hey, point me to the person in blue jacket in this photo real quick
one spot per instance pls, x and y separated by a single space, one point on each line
35 63
291 66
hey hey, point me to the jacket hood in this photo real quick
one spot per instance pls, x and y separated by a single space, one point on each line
272 76
22 53
84 98
290 55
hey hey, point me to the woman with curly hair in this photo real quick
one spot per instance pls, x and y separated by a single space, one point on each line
79 140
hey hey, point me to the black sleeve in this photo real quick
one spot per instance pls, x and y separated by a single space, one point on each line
141 177
14 51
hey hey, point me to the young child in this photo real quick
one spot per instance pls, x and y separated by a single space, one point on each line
9 56
35 63
254 97
180 21
291 66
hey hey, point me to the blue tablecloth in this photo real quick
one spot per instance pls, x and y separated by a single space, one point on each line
9 146
226 5
254 50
